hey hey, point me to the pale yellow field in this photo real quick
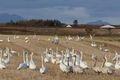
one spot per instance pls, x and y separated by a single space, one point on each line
54 73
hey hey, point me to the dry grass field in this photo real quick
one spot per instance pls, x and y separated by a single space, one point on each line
54 72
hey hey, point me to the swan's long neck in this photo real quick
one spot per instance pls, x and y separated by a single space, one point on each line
31 56
81 58
42 61
1 56
75 61
24 57
106 59
57 50
117 60
103 62
27 57
68 61
95 61
62 59
8 56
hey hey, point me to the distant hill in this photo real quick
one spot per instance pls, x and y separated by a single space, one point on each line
99 22
5 17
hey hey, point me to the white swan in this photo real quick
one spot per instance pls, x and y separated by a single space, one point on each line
95 68
53 57
13 51
26 38
7 59
2 65
47 56
24 64
27 59
70 38
106 70
8 39
117 64
103 49
43 69
93 44
77 38
1 40
32 64
108 64
116 58
16 37
27 41
76 68
83 64
64 67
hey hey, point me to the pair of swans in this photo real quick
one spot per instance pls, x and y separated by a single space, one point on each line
103 69
103 49
26 63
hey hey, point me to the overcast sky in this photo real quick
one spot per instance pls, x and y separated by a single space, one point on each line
64 10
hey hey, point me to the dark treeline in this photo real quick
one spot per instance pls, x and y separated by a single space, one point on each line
50 24
36 23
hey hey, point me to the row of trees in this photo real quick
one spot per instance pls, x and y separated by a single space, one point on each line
40 23
36 23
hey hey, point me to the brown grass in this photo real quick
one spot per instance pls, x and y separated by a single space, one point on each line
54 73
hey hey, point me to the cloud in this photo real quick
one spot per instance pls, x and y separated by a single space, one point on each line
112 20
78 12
61 13
64 10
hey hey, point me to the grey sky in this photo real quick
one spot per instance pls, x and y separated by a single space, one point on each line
64 10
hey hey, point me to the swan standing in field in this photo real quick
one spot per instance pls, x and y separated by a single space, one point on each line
27 41
17 37
58 56
26 38
32 64
53 57
82 38
116 59
117 56
93 44
43 69
13 51
70 38
47 56
103 49
83 64
117 64
108 64
106 70
7 59
1 40
8 39
77 38
6 51
27 59
65 67
95 68
2 65
24 64
76 68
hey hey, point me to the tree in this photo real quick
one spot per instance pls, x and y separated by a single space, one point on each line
75 22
